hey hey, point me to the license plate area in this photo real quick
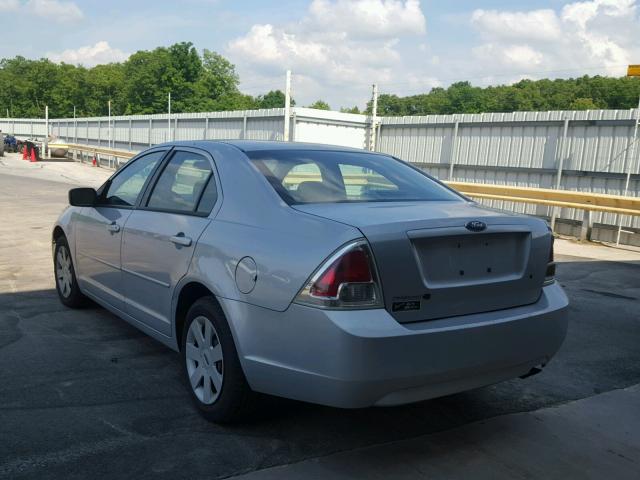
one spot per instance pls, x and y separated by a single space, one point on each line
469 259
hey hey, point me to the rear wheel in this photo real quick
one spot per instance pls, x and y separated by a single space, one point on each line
212 370
66 282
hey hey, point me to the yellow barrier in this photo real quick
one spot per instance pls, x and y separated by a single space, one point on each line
597 202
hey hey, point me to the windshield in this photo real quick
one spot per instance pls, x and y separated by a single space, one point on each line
316 176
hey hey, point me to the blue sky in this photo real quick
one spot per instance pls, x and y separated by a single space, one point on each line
338 48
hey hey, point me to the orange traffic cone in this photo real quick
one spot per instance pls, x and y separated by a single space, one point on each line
33 155
24 153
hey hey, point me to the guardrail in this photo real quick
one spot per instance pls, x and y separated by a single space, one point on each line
588 202
113 155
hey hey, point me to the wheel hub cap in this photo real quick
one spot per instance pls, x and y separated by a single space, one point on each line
63 271
204 360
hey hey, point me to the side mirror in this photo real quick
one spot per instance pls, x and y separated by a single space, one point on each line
82 197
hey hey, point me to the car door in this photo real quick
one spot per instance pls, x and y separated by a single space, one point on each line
160 235
99 229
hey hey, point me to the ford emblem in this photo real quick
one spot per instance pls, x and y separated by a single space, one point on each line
475 226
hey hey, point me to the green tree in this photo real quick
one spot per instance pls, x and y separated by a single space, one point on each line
353 109
583 104
272 99
320 105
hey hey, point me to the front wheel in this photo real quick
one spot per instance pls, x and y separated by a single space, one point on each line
211 365
66 282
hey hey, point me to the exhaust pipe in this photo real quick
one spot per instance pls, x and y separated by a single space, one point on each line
532 372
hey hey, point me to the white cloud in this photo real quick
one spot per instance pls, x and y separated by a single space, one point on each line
90 55
54 10
585 37
375 18
337 49
9 5
534 25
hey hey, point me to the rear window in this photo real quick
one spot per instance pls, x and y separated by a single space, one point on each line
316 176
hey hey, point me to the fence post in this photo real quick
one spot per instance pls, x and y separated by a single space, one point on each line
206 128
99 132
293 126
150 124
454 149
244 127
130 123
586 227
560 166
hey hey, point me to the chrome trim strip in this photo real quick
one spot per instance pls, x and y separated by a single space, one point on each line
99 260
144 277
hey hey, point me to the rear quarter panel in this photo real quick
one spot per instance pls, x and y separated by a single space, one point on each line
253 221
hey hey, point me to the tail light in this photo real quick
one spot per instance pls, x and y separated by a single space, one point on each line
347 279
550 274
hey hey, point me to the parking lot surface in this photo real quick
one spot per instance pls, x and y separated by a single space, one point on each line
85 395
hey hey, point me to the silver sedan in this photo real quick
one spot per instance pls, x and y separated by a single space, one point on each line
323 274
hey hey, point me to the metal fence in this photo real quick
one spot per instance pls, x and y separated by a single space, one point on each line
574 150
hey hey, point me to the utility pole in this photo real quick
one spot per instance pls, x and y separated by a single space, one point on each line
287 105
374 116
169 118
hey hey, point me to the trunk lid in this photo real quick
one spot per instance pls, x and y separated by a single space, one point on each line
432 266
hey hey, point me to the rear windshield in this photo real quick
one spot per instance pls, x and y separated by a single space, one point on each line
316 176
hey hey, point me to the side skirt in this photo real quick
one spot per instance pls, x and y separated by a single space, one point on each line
164 339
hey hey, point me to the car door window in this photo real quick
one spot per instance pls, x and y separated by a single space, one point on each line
125 187
181 183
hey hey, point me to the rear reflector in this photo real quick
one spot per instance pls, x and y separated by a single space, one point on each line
550 274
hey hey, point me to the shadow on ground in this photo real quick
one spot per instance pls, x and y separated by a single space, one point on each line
83 394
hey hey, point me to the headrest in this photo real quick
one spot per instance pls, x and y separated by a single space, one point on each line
318 192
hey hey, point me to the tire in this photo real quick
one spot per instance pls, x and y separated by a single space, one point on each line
65 276
213 373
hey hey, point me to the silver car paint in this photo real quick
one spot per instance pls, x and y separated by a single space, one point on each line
349 359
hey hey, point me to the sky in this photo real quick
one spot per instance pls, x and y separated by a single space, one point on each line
336 49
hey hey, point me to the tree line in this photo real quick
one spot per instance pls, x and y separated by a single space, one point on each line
583 93
139 85
208 82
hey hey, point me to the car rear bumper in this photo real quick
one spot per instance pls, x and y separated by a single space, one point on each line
361 358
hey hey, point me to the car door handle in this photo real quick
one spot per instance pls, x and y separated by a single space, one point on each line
113 227
180 239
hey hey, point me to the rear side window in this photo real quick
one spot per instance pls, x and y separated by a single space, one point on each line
318 176
182 183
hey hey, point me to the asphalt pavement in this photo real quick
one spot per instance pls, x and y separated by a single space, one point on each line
85 395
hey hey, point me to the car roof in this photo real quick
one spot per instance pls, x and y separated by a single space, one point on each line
269 145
